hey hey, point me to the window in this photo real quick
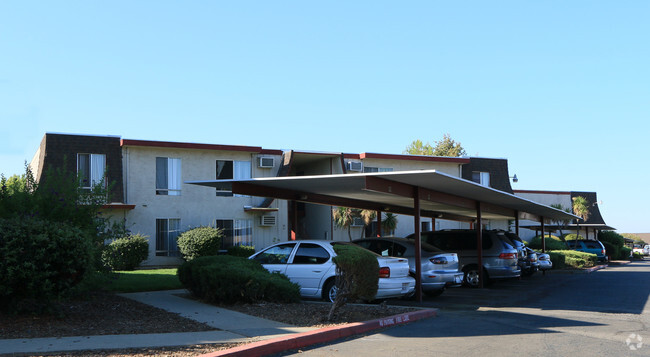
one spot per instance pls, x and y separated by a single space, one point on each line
91 168
482 178
309 253
228 170
377 169
167 231
168 176
235 232
276 255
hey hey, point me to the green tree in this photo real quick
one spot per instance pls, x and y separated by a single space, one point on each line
561 223
445 147
580 209
343 218
367 216
389 223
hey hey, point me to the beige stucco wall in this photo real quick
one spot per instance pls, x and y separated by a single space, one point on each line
196 205
545 198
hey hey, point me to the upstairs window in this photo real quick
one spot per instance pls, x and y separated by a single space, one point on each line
168 176
228 170
482 178
91 168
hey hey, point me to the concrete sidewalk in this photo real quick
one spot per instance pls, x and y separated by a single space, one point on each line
233 327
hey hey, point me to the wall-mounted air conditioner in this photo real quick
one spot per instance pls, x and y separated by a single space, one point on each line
355 166
265 162
267 220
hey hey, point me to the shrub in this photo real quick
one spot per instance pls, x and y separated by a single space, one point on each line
625 253
40 261
611 237
558 259
230 279
244 251
551 243
200 242
573 236
357 275
126 253
577 259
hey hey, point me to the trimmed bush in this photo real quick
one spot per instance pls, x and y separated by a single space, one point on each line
230 279
558 259
625 253
126 253
200 242
551 243
358 267
244 251
573 236
40 261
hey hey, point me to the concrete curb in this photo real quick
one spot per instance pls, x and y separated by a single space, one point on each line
299 340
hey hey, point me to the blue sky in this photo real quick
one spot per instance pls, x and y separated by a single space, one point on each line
559 88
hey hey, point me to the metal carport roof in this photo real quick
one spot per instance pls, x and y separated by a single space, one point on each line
441 195
419 193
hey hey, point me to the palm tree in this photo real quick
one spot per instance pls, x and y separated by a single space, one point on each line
368 216
580 209
389 223
343 218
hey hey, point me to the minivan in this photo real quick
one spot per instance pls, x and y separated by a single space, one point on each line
499 257
589 246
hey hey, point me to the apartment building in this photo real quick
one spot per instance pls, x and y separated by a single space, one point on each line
149 188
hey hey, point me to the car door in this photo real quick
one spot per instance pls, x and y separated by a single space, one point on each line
310 264
276 258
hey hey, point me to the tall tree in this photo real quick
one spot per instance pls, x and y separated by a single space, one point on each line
580 209
445 147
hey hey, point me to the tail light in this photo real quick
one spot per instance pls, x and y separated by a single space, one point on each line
384 272
439 260
508 256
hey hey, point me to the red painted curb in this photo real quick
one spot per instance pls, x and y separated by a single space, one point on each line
299 340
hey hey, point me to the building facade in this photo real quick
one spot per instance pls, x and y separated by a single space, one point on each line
150 192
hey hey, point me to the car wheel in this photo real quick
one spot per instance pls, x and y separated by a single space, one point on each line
471 278
329 292
434 293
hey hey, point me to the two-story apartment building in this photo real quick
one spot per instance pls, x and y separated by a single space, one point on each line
150 194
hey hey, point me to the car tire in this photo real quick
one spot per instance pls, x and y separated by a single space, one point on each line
329 291
471 277
434 293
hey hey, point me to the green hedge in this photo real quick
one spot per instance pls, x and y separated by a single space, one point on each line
359 267
241 251
551 243
617 242
230 279
572 259
40 261
126 253
200 242
611 250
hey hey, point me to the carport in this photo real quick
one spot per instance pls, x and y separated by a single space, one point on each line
422 193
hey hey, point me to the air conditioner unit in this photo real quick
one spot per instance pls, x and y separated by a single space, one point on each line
266 162
267 220
355 166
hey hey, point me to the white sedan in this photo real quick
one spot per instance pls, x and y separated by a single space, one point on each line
309 264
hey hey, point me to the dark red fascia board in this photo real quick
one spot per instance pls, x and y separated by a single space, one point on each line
543 192
179 145
369 155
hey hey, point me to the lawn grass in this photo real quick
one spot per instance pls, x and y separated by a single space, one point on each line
143 280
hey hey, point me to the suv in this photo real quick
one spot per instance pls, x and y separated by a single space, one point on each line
499 257
589 246
527 257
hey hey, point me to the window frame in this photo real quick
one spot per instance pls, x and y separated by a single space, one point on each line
173 176
236 170
170 241
92 178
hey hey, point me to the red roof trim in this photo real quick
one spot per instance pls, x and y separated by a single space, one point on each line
178 145
457 160
543 192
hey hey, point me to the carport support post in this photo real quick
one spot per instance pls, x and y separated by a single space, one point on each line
479 243
517 223
378 223
543 243
418 245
